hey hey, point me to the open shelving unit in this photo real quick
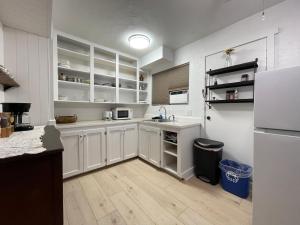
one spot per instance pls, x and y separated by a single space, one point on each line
6 80
210 87
73 69
143 87
86 72
170 160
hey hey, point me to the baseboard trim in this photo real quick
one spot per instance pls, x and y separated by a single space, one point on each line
188 174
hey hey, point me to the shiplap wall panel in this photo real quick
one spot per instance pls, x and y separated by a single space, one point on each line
34 78
44 78
22 67
27 57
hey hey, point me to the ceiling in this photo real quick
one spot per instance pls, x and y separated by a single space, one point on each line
28 15
173 23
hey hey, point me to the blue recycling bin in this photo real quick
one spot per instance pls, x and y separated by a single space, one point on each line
235 177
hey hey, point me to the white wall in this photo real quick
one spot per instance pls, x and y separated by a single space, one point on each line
26 56
233 124
88 111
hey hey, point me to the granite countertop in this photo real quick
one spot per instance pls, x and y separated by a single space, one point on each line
40 139
175 124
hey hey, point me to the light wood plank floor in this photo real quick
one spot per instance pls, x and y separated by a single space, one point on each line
135 193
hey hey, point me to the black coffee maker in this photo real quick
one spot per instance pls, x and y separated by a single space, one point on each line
19 111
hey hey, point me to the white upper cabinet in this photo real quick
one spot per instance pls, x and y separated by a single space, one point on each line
86 72
94 149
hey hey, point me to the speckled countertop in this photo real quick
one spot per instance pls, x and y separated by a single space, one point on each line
175 124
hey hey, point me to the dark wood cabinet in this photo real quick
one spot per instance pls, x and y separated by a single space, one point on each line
31 189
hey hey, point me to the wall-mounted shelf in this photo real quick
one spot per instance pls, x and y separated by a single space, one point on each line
7 81
71 83
245 97
231 85
85 72
104 75
73 54
248 100
105 87
104 61
230 69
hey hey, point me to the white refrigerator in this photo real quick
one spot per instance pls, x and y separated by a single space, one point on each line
276 180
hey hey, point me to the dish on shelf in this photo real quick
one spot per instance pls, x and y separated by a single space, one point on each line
63 98
64 63
99 100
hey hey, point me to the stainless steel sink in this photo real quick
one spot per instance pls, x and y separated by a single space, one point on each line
159 120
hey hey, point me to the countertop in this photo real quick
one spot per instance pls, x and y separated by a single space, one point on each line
49 141
175 124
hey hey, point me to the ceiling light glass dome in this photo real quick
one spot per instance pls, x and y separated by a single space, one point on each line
139 41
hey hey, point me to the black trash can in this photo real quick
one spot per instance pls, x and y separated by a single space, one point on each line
207 155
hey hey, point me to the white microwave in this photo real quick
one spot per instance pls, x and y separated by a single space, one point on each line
122 113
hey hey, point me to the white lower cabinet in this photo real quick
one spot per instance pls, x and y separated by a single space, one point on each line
122 143
73 153
83 151
91 148
143 142
130 141
94 149
150 144
115 136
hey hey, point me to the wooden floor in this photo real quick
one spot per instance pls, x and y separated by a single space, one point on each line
135 193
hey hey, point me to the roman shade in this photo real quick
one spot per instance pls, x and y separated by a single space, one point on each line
170 79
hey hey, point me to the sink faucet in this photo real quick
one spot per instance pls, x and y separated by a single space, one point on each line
164 108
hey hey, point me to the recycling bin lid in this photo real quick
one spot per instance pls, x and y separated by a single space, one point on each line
207 143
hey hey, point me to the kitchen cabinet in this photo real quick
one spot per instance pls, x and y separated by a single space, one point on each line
115 137
83 151
122 143
143 142
100 64
169 147
94 151
73 153
31 189
130 141
150 144
88 148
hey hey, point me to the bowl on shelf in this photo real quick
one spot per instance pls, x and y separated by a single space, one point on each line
65 119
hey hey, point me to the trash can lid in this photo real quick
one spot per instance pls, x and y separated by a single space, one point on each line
207 143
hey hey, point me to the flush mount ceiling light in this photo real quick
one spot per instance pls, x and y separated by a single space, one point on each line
139 41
